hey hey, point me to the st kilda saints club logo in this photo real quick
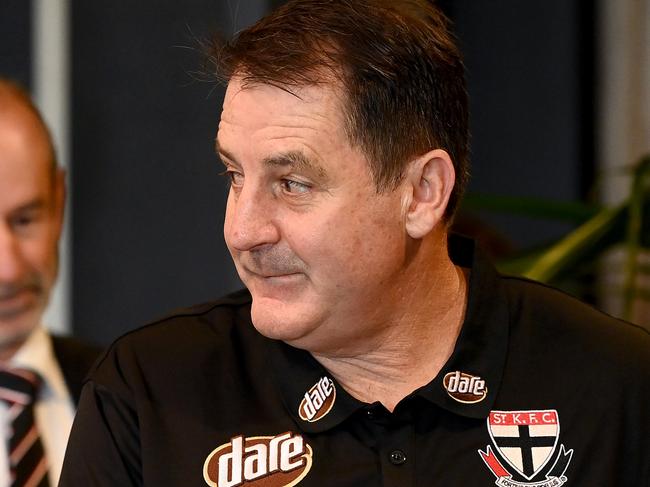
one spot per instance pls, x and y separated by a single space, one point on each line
259 461
318 400
465 388
526 452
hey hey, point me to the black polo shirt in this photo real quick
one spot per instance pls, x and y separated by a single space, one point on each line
540 390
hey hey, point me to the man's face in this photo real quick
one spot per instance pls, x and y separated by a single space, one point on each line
31 199
315 244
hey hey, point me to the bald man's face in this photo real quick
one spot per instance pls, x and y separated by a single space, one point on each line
31 202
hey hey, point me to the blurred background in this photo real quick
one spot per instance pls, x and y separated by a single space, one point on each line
560 105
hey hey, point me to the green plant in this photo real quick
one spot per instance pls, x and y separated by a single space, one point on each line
599 230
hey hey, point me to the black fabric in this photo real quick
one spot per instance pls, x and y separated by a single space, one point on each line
19 389
203 384
75 359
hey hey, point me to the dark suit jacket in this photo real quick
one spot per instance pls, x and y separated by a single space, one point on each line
75 359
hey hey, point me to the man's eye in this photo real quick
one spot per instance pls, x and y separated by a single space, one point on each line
236 178
294 187
23 220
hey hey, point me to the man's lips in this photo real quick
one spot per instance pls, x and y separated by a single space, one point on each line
17 302
272 275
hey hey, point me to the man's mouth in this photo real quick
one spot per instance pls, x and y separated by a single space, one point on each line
17 302
273 274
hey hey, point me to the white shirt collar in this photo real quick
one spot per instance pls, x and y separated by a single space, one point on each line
37 354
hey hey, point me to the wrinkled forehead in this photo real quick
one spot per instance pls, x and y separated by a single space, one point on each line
26 156
269 127
22 130
256 105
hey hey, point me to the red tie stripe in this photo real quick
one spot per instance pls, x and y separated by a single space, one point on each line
18 389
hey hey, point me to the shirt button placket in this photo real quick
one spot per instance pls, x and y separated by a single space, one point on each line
397 457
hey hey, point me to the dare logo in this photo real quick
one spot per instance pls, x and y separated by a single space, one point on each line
259 461
465 388
318 400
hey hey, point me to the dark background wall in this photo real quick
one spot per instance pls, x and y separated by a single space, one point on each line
148 201
16 41
530 79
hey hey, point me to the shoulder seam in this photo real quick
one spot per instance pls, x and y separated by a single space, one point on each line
225 301
532 282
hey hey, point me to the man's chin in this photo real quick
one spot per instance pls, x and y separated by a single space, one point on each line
276 327
12 337
16 325
280 320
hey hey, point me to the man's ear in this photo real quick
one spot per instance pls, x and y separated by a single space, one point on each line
430 179
60 193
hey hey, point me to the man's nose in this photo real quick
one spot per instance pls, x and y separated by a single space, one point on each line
250 220
12 264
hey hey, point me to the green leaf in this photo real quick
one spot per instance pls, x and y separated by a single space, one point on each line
638 196
594 236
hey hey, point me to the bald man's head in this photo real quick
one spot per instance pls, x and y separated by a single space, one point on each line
14 100
31 212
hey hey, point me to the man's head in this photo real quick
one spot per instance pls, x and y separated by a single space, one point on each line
31 207
344 132
401 76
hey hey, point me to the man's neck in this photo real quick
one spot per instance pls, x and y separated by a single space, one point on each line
8 351
11 346
411 351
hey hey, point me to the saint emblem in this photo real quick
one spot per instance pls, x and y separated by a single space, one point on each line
524 450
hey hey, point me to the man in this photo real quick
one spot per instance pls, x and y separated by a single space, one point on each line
371 348
31 212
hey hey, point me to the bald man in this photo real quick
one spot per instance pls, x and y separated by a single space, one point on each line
32 194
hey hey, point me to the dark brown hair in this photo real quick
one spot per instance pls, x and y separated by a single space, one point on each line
400 69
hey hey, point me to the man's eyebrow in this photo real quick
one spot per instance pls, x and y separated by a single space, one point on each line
223 152
34 205
297 160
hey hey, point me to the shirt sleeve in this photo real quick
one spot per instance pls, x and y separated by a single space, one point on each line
104 446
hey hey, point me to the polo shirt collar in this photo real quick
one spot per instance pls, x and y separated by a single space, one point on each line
480 351
482 345
297 375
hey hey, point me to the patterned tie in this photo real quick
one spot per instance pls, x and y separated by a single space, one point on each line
18 388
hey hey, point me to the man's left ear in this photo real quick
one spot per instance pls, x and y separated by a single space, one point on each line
60 193
430 179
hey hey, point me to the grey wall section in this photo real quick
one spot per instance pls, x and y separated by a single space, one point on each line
15 40
148 201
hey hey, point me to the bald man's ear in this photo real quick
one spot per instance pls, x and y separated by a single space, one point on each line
429 181
60 193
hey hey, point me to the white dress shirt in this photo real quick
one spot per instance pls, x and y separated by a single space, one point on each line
54 410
